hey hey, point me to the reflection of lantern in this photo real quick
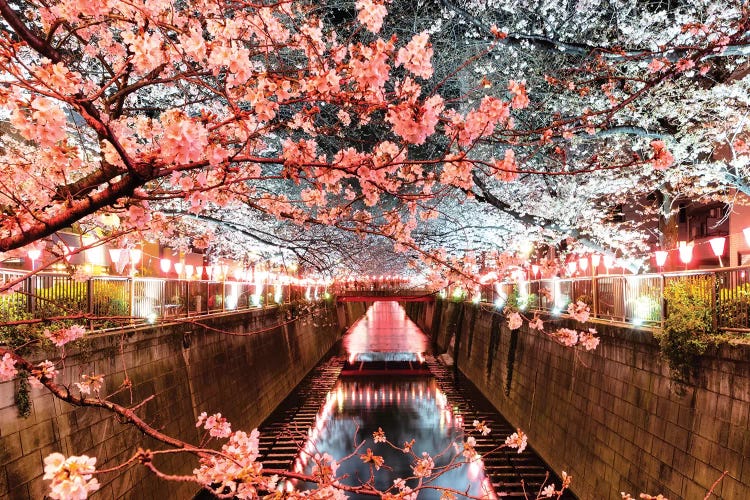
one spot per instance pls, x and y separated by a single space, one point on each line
165 265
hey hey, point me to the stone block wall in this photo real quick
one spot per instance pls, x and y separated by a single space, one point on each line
241 365
610 417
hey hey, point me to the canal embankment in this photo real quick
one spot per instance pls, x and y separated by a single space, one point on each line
240 364
612 417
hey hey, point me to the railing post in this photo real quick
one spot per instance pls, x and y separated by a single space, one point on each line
31 300
595 296
662 312
131 305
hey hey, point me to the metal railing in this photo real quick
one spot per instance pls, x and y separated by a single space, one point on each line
635 299
109 300
102 300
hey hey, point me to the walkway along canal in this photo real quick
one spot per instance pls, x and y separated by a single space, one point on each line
383 375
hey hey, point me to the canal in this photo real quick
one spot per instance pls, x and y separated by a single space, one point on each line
382 377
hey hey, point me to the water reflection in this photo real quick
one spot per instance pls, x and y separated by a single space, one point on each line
406 409
385 333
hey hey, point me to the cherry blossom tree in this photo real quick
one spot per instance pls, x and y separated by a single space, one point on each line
446 133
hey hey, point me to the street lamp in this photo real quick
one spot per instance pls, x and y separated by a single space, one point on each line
534 270
609 261
717 245
178 268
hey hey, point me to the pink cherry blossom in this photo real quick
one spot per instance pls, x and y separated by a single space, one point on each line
662 158
64 335
580 311
518 90
656 65
567 336
416 56
514 321
44 370
90 383
548 491
7 368
517 440
423 466
371 14
536 324
71 478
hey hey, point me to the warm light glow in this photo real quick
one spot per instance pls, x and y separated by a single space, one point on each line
199 272
686 252
165 265
661 257
534 270
115 254
717 245
608 261
34 254
178 268
595 259
583 263
572 267
135 255
746 232
189 270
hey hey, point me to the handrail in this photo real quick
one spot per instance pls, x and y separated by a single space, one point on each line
626 298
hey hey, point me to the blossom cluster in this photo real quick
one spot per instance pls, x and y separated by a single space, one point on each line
569 338
236 470
517 440
580 311
44 370
216 425
7 368
72 477
62 336
90 383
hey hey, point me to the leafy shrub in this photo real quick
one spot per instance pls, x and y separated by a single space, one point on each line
688 326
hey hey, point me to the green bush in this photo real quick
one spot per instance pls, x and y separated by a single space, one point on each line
688 326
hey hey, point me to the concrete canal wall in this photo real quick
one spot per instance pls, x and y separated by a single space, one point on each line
189 368
610 417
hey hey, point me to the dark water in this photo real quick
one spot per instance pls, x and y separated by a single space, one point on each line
405 407
410 408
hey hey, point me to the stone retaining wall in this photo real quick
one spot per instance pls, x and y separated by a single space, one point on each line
189 368
610 417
